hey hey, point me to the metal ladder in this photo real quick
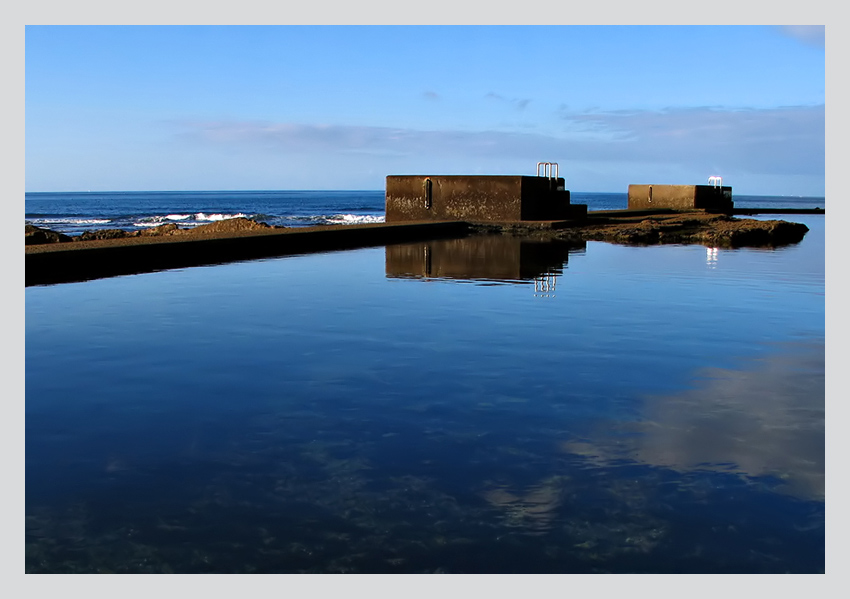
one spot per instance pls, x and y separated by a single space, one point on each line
548 169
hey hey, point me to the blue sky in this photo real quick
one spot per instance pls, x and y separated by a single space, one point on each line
341 107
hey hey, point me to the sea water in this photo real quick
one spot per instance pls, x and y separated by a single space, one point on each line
586 408
74 213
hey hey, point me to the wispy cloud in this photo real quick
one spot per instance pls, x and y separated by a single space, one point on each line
813 35
789 140
779 141
518 103
293 137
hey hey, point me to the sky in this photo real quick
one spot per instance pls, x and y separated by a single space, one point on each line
121 108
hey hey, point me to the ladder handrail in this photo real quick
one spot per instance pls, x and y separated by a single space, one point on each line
547 169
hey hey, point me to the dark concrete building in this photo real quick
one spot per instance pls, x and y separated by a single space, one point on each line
479 198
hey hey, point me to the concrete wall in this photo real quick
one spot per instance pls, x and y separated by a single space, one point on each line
485 198
681 197
52 263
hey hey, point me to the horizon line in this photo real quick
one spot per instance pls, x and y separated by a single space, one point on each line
773 195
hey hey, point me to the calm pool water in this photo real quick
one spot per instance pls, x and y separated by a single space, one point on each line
478 405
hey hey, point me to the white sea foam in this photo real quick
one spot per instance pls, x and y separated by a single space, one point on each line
147 223
155 221
215 217
190 220
69 221
354 219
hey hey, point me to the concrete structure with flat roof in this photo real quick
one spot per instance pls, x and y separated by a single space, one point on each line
712 198
479 198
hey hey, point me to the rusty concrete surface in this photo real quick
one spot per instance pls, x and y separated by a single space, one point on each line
481 198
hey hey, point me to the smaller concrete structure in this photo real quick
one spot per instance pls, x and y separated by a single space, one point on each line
478 198
712 198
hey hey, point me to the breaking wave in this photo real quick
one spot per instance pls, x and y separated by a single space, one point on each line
67 221
196 219
353 219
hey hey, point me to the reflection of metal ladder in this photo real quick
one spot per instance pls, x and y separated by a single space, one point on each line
715 181
548 168
544 285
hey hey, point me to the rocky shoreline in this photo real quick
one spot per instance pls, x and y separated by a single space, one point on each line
52 257
713 230
716 230
37 235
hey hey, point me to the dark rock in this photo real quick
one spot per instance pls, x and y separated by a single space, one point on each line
36 235
706 229
166 229
230 225
103 234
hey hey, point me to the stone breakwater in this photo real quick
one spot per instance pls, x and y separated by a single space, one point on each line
717 230
109 254
52 257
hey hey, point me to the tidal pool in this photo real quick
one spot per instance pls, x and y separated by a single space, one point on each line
486 405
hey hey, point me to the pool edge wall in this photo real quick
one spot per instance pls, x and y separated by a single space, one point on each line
82 261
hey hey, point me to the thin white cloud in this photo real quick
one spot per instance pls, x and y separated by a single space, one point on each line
788 140
813 35
779 141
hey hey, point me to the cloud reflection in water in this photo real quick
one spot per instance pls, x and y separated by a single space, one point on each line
767 421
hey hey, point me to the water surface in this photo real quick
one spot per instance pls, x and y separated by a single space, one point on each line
416 408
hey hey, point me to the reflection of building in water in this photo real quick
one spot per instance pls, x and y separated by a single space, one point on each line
482 258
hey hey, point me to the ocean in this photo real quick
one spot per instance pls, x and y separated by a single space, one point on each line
75 213
422 408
